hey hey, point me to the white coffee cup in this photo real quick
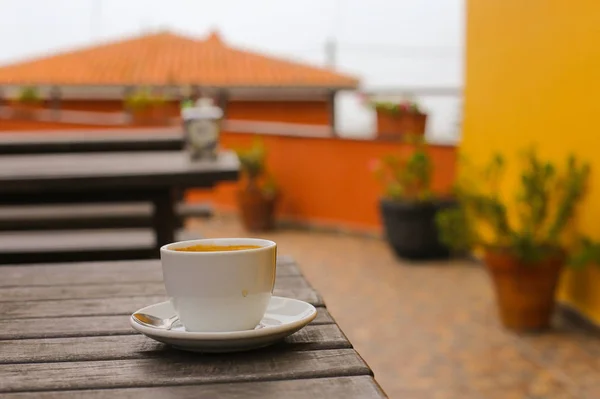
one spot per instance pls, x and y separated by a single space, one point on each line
223 290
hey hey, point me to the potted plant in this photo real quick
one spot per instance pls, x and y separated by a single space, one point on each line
258 194
526 244
146 108
409 207
27 102
397 118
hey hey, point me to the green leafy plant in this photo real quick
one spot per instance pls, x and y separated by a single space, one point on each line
29 95
143 99
187 103
544 210
454 230
254 169
585 252
397 108
406 177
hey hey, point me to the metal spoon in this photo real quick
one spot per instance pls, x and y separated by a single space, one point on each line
155 322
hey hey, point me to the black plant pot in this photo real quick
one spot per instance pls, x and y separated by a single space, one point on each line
411 229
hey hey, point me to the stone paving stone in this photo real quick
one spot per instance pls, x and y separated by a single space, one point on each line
430 330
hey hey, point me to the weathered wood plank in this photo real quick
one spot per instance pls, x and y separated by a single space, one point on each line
83 217
137 346
110 306
114 171
102 273
101 292
360 387
48 292
75 307
181 368
82 291
82 326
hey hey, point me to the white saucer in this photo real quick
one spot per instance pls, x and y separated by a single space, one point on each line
284 317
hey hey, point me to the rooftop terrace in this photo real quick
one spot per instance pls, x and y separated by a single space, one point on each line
430 330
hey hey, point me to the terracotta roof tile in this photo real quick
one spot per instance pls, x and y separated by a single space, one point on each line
167 58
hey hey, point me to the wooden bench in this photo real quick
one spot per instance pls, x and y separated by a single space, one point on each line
93 216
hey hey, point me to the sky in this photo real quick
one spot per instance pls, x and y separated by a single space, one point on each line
386 43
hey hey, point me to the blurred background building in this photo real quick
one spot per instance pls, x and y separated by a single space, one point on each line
394 48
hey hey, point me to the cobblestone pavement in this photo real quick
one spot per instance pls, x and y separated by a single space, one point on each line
430 330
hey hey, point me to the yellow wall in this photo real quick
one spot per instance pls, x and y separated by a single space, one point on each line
533 77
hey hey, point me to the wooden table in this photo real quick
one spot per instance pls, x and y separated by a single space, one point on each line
64 333
155 177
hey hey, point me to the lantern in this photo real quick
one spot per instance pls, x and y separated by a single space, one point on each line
202 128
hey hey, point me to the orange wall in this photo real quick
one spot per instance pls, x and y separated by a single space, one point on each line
170 108
304 112
327 180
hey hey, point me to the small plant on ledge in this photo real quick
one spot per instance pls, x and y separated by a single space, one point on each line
397 108
395 119
26 102
259 193
29 95
527 243
146 107
409 207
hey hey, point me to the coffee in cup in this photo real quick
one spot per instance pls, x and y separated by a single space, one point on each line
219 285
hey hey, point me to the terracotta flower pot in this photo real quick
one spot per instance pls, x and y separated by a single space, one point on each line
525 292
158 114
256 209
142 117
390 125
